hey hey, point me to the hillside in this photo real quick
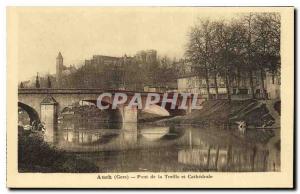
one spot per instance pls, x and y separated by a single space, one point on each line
254 112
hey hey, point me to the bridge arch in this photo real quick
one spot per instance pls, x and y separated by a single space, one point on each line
173 112
114 115
32 113
156 109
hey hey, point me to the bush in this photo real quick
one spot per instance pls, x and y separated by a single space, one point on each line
35 155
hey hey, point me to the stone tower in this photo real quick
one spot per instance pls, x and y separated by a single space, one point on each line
59 69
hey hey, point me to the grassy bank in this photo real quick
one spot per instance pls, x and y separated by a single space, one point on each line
255 113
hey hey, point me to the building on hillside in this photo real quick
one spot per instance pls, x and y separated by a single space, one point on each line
103 60
148 56
111 68
117 72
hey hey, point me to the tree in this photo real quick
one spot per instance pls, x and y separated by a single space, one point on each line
198 51
250 50
37 81
21 85
235 48
224 38
214 57
267 44
48 82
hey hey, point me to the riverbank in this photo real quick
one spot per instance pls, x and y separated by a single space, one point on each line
255 113
35 155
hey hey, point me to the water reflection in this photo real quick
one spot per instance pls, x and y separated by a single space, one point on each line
155 133
225 159
132 148
87 138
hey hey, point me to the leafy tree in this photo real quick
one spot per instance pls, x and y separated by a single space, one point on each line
235 48
49 85
37 82
267 44
21 85
198 51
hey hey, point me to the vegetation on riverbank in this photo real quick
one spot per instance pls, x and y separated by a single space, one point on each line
35 155
253 112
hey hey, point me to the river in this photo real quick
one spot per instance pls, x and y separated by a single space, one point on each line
150 148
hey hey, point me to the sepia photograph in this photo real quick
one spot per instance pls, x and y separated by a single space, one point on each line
150 94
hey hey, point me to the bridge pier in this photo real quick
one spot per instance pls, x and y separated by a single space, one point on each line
49 117
129 117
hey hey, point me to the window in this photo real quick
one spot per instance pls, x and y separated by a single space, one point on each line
234 91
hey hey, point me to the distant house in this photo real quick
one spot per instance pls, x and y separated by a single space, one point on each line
168 87
155 89
239 86
196 85
148 56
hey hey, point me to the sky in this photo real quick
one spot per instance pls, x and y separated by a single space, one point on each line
80 33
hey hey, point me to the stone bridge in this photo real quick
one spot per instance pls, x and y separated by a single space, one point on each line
46 104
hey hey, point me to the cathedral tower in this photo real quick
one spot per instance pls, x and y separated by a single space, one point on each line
59 69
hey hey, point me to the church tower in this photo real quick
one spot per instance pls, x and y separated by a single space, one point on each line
59 69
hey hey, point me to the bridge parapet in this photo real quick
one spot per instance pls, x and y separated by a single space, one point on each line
77 91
